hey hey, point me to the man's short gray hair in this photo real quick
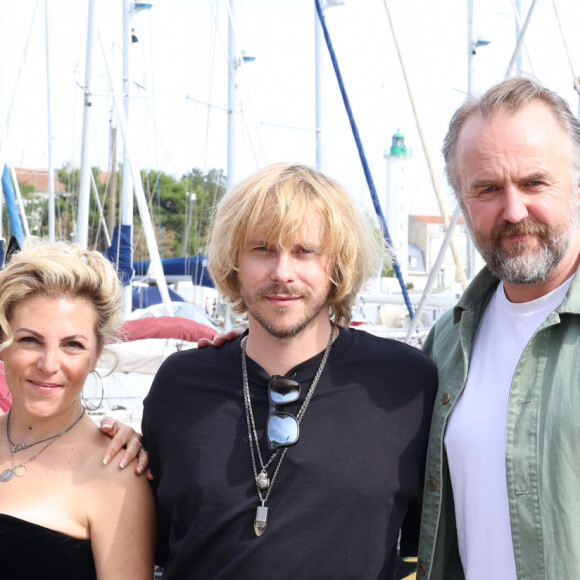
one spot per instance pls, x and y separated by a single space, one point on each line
510 96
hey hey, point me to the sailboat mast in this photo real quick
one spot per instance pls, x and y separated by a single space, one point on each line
521 36
127 183
112 191
317 90
51 197
82 232
127 187
469 246
234 99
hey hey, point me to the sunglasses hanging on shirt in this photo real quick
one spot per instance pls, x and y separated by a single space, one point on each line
283 429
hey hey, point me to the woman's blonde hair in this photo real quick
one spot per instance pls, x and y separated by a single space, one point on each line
61 270
278 199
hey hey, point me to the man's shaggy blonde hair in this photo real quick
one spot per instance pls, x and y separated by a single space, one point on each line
278 200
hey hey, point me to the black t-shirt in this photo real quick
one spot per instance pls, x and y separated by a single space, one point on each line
343 492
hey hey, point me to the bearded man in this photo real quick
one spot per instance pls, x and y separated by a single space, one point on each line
503 471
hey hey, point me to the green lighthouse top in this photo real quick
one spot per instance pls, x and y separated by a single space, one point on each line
398 146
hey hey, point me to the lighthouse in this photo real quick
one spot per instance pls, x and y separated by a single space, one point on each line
397 199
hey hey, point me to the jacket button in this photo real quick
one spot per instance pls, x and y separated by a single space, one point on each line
445 398
421 569
431 484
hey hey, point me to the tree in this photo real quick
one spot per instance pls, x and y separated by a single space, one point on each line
166 202
166 199
208 189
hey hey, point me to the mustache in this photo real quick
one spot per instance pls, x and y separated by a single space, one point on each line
521 228
278 289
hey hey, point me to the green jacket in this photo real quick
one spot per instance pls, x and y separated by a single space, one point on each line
542 441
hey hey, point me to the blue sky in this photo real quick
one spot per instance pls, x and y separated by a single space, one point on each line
179 66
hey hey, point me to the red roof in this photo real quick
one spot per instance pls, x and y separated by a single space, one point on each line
38 178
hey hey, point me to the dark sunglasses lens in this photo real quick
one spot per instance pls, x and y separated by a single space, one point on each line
282 430
284 390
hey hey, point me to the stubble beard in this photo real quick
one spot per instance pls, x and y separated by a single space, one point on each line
277 330
520 265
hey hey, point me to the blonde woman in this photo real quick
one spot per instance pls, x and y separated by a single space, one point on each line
63 513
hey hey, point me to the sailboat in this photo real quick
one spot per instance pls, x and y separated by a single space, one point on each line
418 34
147 337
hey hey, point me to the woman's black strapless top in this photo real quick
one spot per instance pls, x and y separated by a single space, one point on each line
30 552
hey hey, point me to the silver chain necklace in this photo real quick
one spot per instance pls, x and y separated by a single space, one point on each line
20 446
263 482
20 469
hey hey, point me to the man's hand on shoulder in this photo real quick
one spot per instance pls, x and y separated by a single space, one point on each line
125 443
220 338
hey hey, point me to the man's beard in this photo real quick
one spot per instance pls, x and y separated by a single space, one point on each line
518 265
280 331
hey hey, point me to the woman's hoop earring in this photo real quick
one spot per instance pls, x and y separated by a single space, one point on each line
7 389
86 403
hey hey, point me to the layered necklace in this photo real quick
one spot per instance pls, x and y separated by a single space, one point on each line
20 469
264 484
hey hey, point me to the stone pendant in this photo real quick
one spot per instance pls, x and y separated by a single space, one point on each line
261 521
263 481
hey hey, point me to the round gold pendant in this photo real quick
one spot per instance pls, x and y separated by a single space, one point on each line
20 470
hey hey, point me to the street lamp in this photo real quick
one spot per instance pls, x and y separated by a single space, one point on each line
479 42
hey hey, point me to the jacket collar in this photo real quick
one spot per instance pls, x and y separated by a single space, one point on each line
476 294
571 302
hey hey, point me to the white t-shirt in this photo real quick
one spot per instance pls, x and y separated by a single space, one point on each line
476 431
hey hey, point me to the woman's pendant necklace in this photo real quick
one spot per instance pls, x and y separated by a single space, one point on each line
19 446
20 470
8 474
